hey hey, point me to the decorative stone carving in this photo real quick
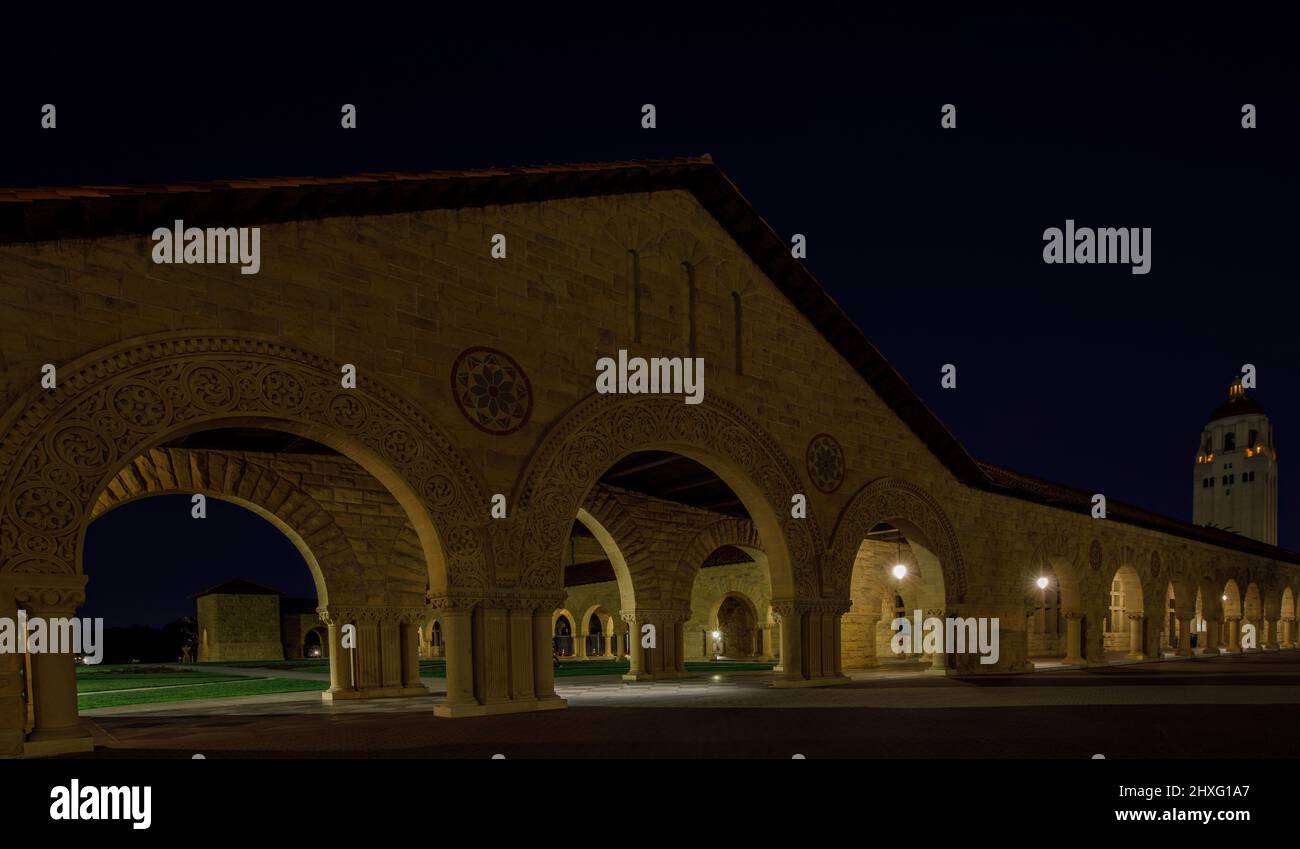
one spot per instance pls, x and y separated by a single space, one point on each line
889 500
61 448
825 462
491 390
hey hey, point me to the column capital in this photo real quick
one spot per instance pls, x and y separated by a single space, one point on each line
339 614
1136 617
45 594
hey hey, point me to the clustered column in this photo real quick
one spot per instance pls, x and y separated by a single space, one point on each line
810 641
374 652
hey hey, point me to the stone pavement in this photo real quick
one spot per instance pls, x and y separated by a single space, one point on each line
1162 709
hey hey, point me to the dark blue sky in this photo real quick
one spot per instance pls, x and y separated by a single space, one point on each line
931 240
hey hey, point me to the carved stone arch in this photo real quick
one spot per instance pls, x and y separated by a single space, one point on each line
1064 557
60 448
602 429
339 576
731 531
897 502
624 544
601 613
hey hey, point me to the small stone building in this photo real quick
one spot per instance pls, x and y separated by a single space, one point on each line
242 620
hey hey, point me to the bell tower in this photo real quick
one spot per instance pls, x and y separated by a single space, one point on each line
1235 477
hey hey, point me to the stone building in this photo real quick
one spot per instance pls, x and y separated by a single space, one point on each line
437 499
242 620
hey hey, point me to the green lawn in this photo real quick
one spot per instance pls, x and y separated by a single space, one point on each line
188 692
135 684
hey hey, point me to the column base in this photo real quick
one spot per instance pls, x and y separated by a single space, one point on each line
455 711
58 743
374 693
1074 661
824 681
1210 653
1137 655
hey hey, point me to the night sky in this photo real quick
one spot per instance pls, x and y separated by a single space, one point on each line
931 240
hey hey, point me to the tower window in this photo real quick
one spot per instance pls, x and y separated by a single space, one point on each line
1252 439
1230 442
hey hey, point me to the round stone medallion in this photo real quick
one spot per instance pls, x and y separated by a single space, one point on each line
491 390
825 461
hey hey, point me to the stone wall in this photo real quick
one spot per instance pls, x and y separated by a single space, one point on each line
239 627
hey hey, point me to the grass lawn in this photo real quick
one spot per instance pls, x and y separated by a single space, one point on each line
135 684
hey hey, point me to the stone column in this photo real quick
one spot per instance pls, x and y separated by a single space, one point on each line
13 710
1074 638
458 645
341 678
679 635
410 639
1288 632
1272 643
543 656
1259 637
1233 628
938 659
1135 636
791 614
579 645
1210 638
636 655
1184 635
57 727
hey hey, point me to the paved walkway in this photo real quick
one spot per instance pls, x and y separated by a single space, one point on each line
1172 709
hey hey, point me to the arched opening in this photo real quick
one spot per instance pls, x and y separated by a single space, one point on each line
327 513
315 644
1125 636
699 460
1058 621
735 634
562 639
899 603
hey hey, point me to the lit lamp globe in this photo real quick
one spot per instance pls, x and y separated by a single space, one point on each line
900 572
1042 583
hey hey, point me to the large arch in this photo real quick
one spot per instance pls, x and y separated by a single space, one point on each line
602 429
59 449
257 487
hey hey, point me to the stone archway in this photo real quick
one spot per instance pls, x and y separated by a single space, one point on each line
905 506
257 487
601 430
61 448
702 592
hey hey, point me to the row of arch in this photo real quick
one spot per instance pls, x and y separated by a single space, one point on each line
495 583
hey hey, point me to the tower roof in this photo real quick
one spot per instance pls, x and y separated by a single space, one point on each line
1238 404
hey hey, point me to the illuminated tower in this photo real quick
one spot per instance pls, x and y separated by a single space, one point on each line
1235 482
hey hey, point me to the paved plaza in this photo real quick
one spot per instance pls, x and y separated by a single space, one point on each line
1221 707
